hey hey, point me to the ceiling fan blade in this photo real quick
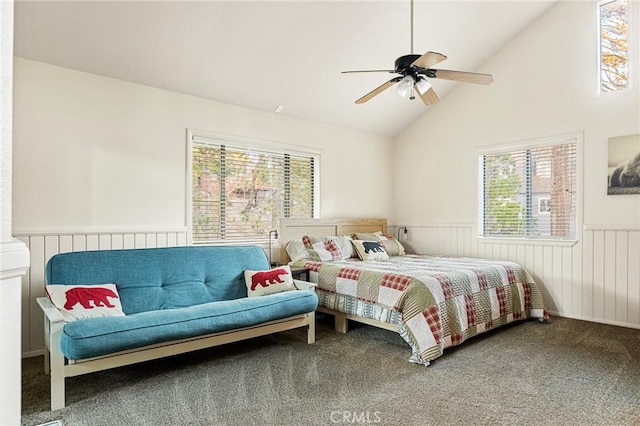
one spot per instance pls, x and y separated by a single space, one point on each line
378 90
428 60
350 72
430 97
467 77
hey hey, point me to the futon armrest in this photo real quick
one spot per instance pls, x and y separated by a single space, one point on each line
50 311
304 285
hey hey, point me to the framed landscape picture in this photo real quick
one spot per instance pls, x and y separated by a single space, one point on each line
624 165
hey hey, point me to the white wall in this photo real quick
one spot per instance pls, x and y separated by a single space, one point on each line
546 84
100 153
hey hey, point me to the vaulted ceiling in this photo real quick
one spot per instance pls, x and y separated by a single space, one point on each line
263 54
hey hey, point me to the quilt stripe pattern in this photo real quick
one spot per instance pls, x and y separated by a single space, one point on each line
436 301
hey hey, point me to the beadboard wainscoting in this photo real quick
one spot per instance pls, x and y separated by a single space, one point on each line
44 245
597 279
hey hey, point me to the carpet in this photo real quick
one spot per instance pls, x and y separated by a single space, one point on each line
567 372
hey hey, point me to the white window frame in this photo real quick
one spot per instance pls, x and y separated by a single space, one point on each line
524 144
632 49
245 143
540 211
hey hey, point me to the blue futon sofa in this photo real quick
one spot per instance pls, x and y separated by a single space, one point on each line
174 299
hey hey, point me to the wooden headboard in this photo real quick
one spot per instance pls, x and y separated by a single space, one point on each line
291 229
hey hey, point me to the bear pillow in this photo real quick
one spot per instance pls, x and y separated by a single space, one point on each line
370 250
77 302
276 280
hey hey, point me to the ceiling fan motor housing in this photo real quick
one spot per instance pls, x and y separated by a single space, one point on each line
403 65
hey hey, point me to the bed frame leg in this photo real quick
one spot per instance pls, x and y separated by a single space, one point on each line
341 323
311 333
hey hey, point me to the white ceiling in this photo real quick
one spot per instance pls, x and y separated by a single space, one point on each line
263 54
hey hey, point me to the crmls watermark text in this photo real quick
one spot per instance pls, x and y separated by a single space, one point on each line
355 417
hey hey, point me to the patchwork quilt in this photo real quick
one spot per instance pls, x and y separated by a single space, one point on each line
436 301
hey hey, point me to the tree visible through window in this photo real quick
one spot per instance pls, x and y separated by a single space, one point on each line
239 194
529 192
614 48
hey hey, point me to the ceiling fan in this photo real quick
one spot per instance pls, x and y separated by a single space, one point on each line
414 71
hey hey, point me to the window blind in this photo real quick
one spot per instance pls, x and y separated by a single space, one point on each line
239 194
529 192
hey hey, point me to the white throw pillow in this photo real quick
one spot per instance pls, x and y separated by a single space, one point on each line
276 280
77 302
370 250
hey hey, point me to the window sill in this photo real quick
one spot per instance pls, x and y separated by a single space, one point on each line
528 241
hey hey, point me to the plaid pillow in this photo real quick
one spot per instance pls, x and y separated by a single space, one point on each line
322 249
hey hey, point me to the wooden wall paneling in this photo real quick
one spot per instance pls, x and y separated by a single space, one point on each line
117 241
93 242
588 283
566 278
129 241
162 240
151 240
140 240
598 274
36 288
547 277
104 242
79 242
633 277
610 275
621 276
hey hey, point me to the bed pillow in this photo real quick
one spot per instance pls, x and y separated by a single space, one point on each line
297 250
391 245
321 249
77 302
370 250
276 280
304 248
325 249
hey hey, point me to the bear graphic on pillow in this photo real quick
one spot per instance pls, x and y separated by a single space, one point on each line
267 277
85 295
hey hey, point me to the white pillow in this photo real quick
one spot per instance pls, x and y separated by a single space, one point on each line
370 250
77 302
276 280
296 250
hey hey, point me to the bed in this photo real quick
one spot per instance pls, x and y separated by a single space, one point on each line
433 302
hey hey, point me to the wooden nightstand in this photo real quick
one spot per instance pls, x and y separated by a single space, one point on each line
299 273
304 285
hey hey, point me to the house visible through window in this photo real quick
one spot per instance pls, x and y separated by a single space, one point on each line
529 191
239 192
613 20
544 205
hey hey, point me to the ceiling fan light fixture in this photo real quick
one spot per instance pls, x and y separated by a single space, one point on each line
423 85
405 86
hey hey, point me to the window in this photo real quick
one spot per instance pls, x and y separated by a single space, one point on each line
544 205
239 189
529 191
613 20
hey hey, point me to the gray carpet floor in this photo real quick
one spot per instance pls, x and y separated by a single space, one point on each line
567 372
